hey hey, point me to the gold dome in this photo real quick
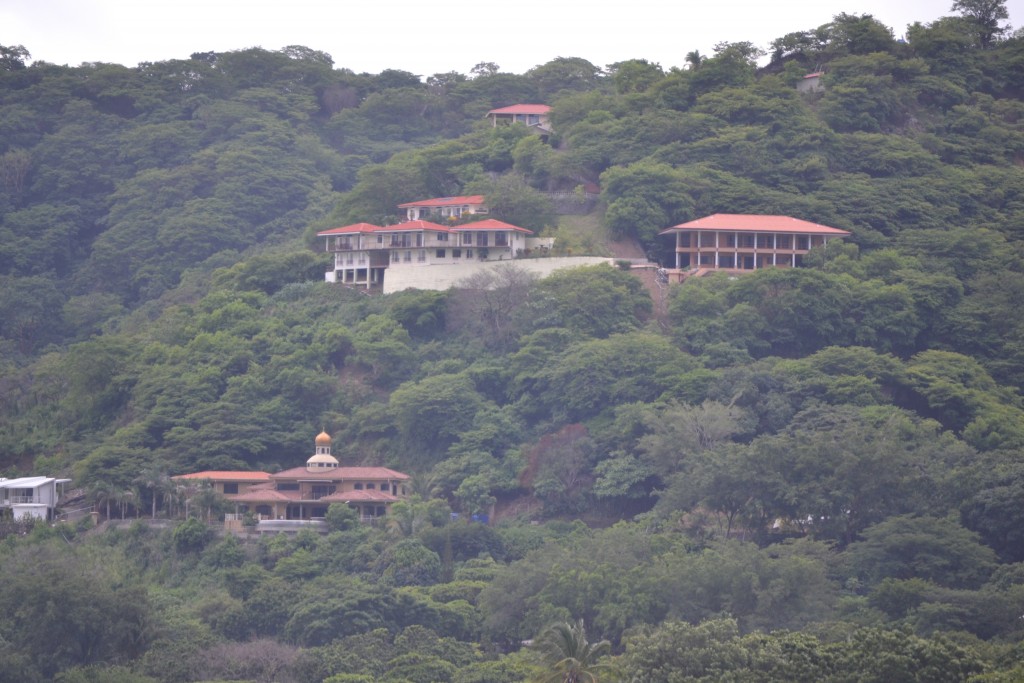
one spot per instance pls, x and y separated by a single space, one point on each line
323 439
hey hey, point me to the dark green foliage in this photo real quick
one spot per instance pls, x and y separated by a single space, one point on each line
191 535
833 450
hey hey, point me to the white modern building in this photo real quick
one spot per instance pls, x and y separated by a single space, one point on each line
31 496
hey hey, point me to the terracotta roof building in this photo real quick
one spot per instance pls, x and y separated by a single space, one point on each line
363 252
305 492
744 242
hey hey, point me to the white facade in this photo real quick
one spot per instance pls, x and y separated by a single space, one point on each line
31 496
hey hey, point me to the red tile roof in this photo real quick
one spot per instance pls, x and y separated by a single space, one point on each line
224 475
445 201
522 109
265 495
741 222
350 229
490 224
338 473
414 225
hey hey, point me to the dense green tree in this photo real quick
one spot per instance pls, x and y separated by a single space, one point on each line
985 16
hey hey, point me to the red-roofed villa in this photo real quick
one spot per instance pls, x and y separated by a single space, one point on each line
363 252
745 242
303 494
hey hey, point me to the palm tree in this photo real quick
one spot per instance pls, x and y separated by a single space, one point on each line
694 59
568 657
103 492
156 481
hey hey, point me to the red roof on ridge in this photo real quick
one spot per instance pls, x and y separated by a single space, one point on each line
414 225
742 222
445 201
522 109
338 473
490 224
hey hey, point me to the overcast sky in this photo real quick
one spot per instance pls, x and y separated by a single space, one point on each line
427 37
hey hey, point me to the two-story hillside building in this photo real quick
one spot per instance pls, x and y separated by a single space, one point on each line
744 242
305 493
364 252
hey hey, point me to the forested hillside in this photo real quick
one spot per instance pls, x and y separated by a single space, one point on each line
810 474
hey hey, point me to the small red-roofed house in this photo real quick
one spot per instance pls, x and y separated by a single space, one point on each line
745 242
444 207
533 115
811 82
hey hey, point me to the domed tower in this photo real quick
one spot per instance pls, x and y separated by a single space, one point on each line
322 458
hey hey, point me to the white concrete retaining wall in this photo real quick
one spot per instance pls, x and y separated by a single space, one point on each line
442 277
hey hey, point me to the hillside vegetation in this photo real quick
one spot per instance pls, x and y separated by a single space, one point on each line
810 474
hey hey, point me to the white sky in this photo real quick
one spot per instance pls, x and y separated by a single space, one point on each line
427 37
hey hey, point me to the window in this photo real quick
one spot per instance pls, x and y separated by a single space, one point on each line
287 486
481 239
358 486
371 486
408 257
467 238
421 256
469 253
395 257
442 237
456 253
440 253
231 488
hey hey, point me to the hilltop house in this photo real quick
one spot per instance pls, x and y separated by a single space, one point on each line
532 115
363 252
31 496
744 242
811 82
304 493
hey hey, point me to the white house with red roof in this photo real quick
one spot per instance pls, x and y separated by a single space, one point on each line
448 208
532 115
304 493
363 252
745 242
